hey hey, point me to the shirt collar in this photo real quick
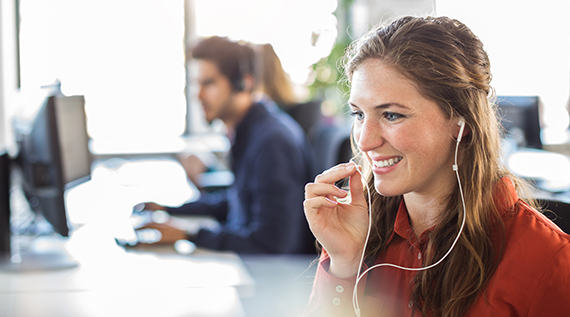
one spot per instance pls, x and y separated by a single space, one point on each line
402 226
504 195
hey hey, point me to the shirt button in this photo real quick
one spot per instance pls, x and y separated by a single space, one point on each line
419 255
410 304
336 301
339 288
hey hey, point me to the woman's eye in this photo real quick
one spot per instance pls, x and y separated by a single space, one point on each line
392 116
358 115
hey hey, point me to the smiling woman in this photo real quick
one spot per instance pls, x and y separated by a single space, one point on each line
437 227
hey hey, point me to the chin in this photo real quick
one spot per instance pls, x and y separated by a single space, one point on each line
209 119
386 190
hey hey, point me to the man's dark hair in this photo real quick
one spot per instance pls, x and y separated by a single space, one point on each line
234 60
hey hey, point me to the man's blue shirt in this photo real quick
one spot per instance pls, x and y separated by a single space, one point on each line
262 212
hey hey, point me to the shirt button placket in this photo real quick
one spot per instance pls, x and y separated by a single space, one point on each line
339 289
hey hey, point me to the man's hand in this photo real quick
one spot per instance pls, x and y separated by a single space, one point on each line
168 233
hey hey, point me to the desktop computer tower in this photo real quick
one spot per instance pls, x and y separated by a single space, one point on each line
4 204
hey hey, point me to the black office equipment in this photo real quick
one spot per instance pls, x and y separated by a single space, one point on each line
4 204
557 211
52 156
332 144
307 114
521 120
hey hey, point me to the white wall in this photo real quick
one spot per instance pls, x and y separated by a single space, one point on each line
528 43
369 13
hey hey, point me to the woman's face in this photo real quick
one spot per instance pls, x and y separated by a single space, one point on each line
406 138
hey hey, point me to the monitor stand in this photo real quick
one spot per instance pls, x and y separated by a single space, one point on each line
34 259
34 262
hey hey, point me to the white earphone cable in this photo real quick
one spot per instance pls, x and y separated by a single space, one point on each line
360 275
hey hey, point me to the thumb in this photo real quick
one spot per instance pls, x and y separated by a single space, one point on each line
356 186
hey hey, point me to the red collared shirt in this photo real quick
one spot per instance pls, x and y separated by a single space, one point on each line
532 279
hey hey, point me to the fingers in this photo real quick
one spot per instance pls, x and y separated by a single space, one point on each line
314 204
322 189
153 206
147 206
324 184
336 173
323 192
356 187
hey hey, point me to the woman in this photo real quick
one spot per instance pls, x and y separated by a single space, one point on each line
420 95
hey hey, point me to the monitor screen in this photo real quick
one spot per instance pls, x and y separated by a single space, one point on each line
73 139
53 155
520 119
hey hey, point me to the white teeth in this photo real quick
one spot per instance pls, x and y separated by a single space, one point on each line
387 163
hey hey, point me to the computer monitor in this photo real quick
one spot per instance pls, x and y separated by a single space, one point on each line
53 156
521 120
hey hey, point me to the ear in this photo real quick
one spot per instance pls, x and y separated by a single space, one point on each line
248 83
462 128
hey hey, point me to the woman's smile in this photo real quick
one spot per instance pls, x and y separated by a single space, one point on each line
386 163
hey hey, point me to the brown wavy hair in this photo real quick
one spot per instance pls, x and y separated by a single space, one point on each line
449 66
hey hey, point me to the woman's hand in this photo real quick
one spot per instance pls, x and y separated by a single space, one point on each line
340 227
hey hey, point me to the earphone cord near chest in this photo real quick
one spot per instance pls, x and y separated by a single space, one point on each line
360 275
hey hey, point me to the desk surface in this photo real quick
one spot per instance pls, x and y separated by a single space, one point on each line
185 144
152 280
204 302
156 281
110 281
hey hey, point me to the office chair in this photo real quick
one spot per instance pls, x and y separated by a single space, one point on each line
560 214
307 114
332 144
521 120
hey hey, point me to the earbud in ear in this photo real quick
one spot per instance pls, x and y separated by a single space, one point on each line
461 123
239 85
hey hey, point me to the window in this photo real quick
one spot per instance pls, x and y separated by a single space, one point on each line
126 57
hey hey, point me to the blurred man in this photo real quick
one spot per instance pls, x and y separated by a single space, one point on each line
271 158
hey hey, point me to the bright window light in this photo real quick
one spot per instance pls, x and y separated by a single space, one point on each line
289 25
126 57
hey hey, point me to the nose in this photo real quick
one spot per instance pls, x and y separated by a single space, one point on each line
200 93
368 135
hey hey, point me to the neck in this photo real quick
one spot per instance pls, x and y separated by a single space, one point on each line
424 210
242 102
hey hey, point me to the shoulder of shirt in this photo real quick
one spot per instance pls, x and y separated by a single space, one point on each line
277 127
533 226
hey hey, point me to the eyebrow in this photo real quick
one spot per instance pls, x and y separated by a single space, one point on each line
383 106
206 81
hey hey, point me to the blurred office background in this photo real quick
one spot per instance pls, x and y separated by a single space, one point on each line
128 59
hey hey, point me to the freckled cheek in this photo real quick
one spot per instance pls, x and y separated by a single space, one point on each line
402 140
428 149
356 133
